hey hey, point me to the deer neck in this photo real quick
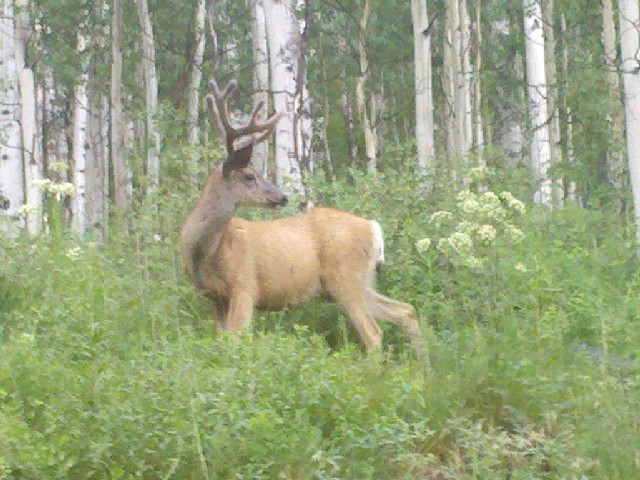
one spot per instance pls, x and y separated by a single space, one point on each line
203 229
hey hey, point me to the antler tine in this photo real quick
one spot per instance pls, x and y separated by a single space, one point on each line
240 137
266 128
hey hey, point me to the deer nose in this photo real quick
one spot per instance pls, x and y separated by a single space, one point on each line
284 200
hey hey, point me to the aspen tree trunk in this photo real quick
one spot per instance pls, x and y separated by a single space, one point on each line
555 150
466 79
368 126
12 194
97 176
260 158
630 43
284 51
31 148
458 82
478 143
449 82
195 79
567 138
537 87
121 171
326 115
153 142
81 145
423 85
347 114
615 158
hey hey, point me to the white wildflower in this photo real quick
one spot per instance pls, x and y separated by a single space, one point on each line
513 203
487 233
58 167
73 253
42 183
513 232
157 238
438 218
423 245
467 227
521 267
64 188
468 202
27 209
472 262
460 242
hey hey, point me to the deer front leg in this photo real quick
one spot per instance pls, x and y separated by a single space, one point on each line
240 312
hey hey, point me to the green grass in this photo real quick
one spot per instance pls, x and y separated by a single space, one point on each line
108 368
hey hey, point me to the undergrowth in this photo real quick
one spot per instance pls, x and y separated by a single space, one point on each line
110 369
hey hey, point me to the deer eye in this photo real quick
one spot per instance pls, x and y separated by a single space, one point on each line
249 177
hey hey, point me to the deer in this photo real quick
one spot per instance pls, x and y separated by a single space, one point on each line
243 265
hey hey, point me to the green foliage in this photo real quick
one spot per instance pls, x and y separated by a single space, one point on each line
108 368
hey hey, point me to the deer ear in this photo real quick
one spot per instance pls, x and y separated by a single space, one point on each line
237 159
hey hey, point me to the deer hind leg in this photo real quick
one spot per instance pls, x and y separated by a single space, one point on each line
398 313
240 312
354 303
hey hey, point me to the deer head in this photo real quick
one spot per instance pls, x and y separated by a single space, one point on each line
241 184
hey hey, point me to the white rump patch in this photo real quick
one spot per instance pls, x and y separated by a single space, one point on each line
378 242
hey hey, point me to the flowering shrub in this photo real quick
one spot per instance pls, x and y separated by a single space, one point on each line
479 221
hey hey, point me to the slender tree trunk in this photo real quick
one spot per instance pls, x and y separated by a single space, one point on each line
615 158
81 145
260 158
630 43
123 189
537 86
97 177
567 138
466 79
153 142
31 148
478 143
423 85
449 84
347 114
368 126
12 194
284 51
195 79
555 149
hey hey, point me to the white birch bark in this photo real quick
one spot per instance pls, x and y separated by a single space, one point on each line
465 79
571 187
478 143
12 193
629 15
31 148
367 122
423 85
615 158
195 79
121 170
538 110
153 143
260 158
555 150
80 146
449 83
282 32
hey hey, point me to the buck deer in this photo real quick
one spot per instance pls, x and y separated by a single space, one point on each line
243 264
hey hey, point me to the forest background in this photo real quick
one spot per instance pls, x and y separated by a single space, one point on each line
498 145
